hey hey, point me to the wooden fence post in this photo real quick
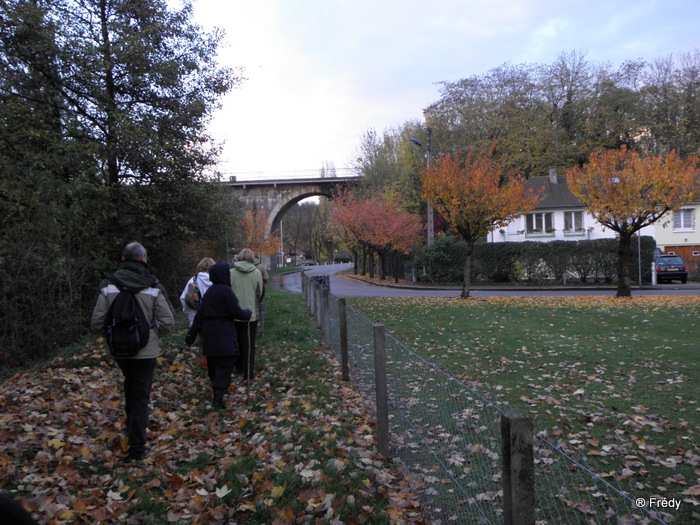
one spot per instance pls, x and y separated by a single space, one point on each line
381 390
326 315
305 288
344 363
310 291
518 469
317 303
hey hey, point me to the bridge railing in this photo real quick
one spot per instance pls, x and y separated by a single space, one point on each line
266 176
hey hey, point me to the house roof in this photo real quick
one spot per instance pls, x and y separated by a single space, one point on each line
553 191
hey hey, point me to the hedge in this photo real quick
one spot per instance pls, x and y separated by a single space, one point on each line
530 262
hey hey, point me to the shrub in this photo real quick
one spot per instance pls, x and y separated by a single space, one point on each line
534 262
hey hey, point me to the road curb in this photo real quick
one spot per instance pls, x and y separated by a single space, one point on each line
511 288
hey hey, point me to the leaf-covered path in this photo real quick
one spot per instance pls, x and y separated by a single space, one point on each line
298 446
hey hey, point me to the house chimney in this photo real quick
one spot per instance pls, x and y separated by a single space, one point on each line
553 179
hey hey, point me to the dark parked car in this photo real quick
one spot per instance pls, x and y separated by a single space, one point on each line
669 267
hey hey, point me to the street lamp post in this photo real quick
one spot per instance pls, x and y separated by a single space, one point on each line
281 245
431 226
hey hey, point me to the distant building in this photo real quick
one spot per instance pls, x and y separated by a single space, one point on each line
678 234
559 216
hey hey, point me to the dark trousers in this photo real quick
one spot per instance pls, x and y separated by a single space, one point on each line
246 348
220 369
138 381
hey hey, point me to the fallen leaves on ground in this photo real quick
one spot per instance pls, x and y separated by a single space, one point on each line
297 446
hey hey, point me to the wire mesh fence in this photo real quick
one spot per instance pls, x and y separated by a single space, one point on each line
450 435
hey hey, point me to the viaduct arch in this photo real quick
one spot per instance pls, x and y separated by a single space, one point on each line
273 198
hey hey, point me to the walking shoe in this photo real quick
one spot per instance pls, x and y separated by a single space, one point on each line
134 456
219 398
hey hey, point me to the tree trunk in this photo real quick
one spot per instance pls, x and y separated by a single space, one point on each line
111 107
397 267
466 284
624 282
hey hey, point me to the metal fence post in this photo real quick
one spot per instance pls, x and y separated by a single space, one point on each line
518 469
343 319
381 390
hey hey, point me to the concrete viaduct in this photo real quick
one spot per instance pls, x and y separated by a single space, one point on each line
272 198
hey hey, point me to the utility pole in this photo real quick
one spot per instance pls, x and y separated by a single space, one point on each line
428 160
281 245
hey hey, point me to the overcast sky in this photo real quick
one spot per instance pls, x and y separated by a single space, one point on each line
322 72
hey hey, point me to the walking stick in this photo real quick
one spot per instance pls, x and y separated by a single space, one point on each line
247 394
262 319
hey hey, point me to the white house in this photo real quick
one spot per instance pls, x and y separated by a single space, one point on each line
559 216
678 234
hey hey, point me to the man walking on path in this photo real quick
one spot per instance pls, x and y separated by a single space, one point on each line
137 369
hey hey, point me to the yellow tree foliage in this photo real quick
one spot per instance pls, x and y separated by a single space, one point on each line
474 197
255 235
626 192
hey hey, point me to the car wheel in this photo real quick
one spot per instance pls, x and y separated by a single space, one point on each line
684 280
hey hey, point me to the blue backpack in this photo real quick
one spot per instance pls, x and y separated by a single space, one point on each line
126 329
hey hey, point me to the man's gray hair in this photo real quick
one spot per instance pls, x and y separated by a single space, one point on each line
246 255
133 251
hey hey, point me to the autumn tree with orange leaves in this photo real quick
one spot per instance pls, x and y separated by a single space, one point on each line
392 230
255 235
350 218
375 226
475 197
625 192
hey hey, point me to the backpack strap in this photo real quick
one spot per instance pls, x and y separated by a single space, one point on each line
124 288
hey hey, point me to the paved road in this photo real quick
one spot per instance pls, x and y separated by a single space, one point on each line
349 288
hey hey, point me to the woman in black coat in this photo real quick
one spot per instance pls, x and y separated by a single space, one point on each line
215 319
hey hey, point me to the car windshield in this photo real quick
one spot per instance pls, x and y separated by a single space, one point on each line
670 260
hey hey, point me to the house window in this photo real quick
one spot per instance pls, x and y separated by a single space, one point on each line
539 222
573 221
683 219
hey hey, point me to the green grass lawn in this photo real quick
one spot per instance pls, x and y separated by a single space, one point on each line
617 380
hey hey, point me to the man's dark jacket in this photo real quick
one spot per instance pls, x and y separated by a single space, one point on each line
216 314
